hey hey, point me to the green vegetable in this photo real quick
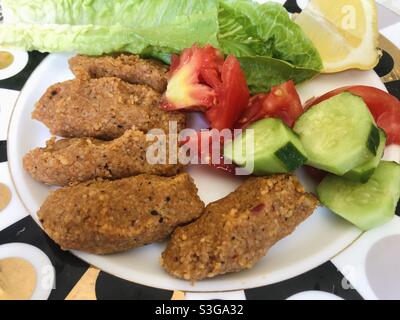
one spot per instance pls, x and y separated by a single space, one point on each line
276 149
336 134
94 27
365 171
127 13
365 205
374 140
93 40
262 73
271 48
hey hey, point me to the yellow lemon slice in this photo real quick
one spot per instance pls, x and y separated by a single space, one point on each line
345 32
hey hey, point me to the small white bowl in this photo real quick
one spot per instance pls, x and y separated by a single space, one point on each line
45 274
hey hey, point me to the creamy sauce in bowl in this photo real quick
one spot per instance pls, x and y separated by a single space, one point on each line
17 279
6 59
5 196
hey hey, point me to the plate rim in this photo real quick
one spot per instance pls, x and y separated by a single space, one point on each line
256 281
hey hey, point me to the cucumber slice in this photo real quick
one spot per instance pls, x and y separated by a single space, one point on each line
365 205
339 134
374 140
276 148
365 171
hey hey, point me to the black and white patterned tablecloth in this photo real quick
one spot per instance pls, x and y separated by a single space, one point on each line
75 279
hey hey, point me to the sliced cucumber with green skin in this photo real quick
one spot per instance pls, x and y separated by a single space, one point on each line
365 171
365 205
339 134
277 149
374 140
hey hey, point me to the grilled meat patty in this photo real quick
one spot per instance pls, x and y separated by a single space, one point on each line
69 161
102 108
104 217
129 68
234 233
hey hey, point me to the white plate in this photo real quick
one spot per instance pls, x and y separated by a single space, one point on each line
317 240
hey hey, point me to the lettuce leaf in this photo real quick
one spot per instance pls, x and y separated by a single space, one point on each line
262 73
128 13
270 46
91 40
94 27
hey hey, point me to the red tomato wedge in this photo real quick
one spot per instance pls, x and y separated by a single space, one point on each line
206 156
233 96
213 61
200 79
384 107
175 62
187 88
282 102
390 122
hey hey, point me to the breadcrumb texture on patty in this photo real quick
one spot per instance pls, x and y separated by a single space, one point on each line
104 217
103 108
235 232
69 161
130 68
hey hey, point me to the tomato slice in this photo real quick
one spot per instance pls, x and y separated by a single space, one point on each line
384 107
282 102
233 96
390 123
200 79
212 64
175 61
206 156
378 101
187 87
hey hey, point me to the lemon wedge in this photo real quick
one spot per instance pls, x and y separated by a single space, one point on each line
345 32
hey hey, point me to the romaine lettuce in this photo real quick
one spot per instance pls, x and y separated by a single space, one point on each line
128 13
94 27
271 48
